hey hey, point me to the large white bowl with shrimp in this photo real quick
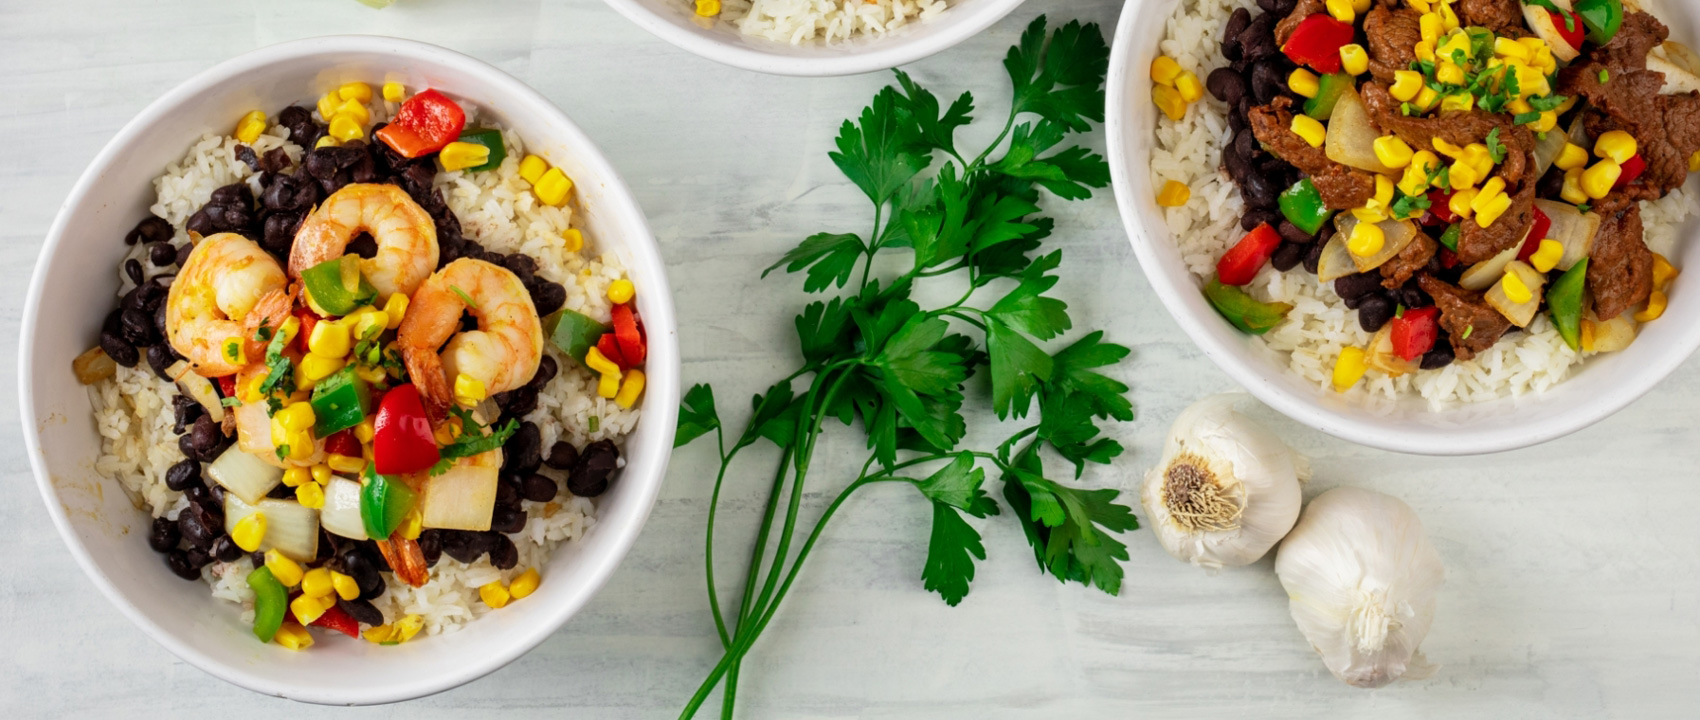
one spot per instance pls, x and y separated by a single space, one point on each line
68 298
1596 389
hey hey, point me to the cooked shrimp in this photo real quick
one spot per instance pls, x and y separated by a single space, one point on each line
406 236
502 353
228 287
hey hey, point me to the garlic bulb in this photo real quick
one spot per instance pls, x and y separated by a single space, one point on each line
1227 489
1361 579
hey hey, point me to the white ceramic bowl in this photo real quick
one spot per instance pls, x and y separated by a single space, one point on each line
1601 386
677 22
72 291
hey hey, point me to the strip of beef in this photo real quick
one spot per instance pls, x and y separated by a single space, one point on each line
1305 8
1341 187
1666 127
1414 258
1477 243
1458 128
1393 36
1501 16
1473 324
1620 268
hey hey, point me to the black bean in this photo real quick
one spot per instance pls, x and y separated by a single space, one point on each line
1236 24
178 561
547 296
184 410
281 492
1440 355
119 349
362 611
1238 167
275 161
1257 41
303 130
1550 184
562 456
226 549
161 326
137 327
522 265
257 557
183 252
277 235
431 547
163 535
205 438
1374 312
150 230
503 554
523 452
507 493
546 370
290 192
1293 233
160 358
186 446
1266 81
1258 216
519 401
1278 7
595 465
1288 256
198 526
1357 285
1226 85
464 546
162 254
538 488
358 565
1259 192
1353 303
1313 257
503 520
1245 145
183 475
197 558
1237 121
133 269
1411 295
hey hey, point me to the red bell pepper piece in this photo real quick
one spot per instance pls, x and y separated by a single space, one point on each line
1317 41
402 442
227 385
1632 168
632 346
308 320
343 442
1414 332
424 124
1537 233
609 346
1440 206
1575 34
1448 259
335 619
1240 264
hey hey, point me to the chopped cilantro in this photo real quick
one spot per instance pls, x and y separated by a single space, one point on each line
1407 109
1496 149
1410 206
1525 118
1550 102
472 440
282 451
230 402
1605 76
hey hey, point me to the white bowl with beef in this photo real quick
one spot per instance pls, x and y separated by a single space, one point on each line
798 37
1525 389
105 498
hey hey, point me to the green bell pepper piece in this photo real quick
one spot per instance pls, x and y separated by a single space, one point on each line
1450 237
329 284
1602 18
1329 88
491 139
1302 205
340 401
574 333
384 502
271 598
1564 303
1245 313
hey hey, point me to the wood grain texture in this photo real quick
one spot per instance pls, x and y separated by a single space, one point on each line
1573 577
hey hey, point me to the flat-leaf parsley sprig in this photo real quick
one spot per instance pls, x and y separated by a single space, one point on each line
875 355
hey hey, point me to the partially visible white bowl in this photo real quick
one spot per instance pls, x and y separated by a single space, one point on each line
677 22
72 292
1601 386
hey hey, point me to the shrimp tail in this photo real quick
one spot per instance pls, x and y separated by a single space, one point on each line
425 368
405 559
270 312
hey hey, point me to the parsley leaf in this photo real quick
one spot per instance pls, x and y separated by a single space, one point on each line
1060 80
954 544
830 257
1068 173
696 415
935 130
882 152
1067 527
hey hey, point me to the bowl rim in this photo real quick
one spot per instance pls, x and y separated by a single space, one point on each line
646 258
1254 374
872 56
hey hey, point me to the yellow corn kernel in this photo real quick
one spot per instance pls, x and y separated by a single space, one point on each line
1653 309
1531 82
597 362
1571 157
707 8
383 634
394 92
1547 255
370 323
1360 6
1341 10
395 308
469 390
1616 145
301 444
525 584
532 168
630 389
345 586
294 636
356 91
284 569
1173 194
1493 209
232 351
250 392
407 627
462 155
1422 6
1508 48
307 608
316 583
1454 44
448 431
1446 148
296 417
1460 202
1458 102
327 105
1448 17
329 339
280 434
1304 82
1367 239
572 240
364 431
1169 100
553 187
1479 158
1598 180
289 329
310 495
1164 70
1354 59
296 476
1519 106
1491 189
345 464
1392 151
1349 368
321 473
1189 87
355 111
325 141
1406 85
249 532
1383 190
493 594
1372 212
1587 335
1416 181
1663 272
1694 162
1463 175
621 291
1429 27
1515 290
412 524
346 128
1447 72
1424 50
1535 45
315 367
1427 98
1308 128
1545 123
250 127
1572 190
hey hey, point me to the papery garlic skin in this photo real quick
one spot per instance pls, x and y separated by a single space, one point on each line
1361 580
1226 490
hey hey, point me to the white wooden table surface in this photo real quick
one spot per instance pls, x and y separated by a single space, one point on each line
1574 568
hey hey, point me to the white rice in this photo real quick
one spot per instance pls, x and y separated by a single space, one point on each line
1189 151
496 208
807 21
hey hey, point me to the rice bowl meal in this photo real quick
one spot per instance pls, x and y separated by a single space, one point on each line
1458 200
365 370
806 21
